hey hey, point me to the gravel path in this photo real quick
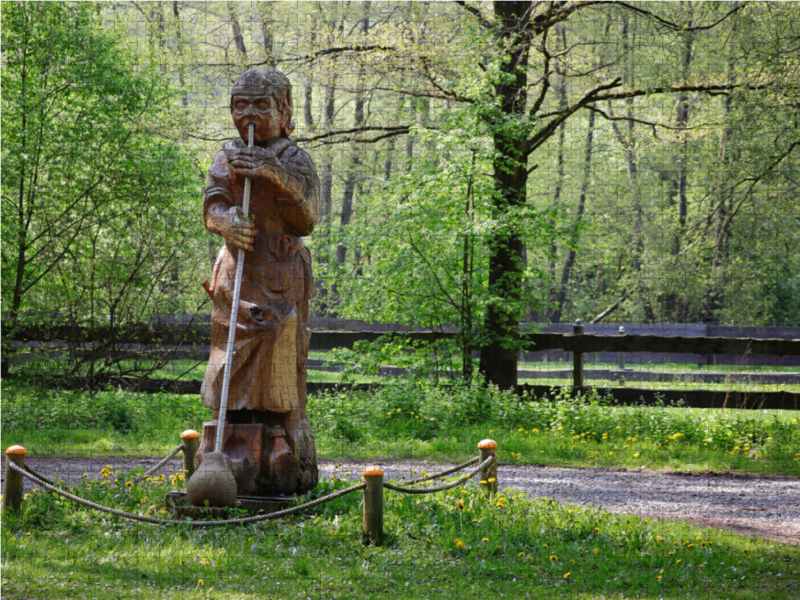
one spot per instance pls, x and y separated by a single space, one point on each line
761 505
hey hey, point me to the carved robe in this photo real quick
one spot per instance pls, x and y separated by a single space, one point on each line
269 359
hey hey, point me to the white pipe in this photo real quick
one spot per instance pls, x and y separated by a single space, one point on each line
237 292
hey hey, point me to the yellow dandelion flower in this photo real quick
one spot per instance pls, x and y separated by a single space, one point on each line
459 544
567 574
553 557
485 539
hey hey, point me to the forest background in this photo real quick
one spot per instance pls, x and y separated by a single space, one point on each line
481 165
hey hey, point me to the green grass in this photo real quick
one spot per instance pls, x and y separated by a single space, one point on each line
415 419
504 547
664 367
733 386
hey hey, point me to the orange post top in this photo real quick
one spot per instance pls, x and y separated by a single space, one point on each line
372 471
16 449
486 444
189 434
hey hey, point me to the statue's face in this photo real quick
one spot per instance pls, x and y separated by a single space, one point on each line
263 112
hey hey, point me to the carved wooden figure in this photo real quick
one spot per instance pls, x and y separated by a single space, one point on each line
267 436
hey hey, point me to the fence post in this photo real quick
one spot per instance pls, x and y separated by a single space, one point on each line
191 443
621 360
12 494
577 357
373 505
488 448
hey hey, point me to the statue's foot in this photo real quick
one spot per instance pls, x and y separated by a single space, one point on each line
284 469
298 429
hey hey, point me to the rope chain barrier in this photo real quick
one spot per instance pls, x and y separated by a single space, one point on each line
155 521
35 474
29 473
441 488
443 473
164 461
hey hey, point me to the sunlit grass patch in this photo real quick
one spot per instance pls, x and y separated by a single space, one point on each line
413 418
453 544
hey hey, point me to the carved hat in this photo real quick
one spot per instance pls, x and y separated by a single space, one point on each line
266 81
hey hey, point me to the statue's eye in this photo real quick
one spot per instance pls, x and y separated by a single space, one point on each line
240 105
262 105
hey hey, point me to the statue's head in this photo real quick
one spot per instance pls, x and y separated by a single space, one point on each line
262 96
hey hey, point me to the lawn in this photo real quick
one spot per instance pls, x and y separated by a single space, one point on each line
437 423
455 544
508 546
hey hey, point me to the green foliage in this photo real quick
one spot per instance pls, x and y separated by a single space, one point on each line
421 418
452 544
98 212
51 421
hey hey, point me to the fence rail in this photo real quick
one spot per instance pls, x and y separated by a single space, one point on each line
570 340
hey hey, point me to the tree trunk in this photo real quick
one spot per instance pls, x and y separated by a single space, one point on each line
238 38
628 145
501 328
267 25
679 160
711 298
554 314
587 175
355 151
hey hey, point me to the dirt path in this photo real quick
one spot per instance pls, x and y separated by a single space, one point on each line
761 505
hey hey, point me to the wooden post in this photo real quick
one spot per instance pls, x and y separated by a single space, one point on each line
488 448
373 505
577 357
191 443
621 360
12 493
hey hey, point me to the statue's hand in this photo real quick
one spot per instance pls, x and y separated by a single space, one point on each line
255 163
237 232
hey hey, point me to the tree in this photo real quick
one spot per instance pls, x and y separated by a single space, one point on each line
96 209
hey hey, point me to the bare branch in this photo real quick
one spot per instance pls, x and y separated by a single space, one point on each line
448 93
671 24
476 13
710 89
545 77
544 133
308 57
652 124
397 130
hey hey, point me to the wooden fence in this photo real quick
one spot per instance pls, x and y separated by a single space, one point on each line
573 342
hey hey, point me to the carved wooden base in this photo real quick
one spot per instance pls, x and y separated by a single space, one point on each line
271 454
